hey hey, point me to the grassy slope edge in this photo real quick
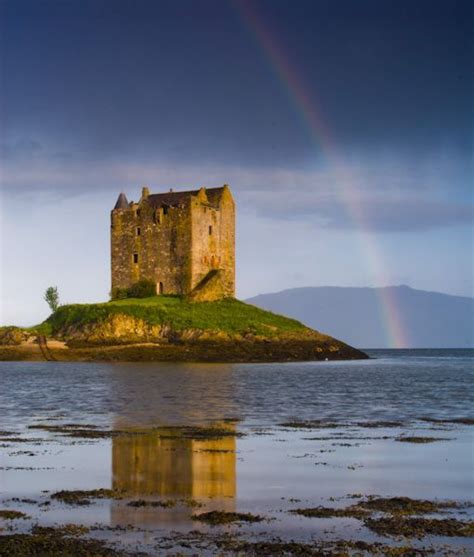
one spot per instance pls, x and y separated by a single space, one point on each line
229 315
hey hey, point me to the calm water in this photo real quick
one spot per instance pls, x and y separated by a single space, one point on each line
264 471
401 385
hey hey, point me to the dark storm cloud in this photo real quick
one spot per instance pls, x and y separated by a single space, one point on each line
112 94
190 81
371 214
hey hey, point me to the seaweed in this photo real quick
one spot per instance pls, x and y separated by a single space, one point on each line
199 432
339 548
61 427
215 518
65 530
309 424
419 439
181 432
331 512
8 514
419 527
51 542
142 503
462 421
81 497
404 505
379 423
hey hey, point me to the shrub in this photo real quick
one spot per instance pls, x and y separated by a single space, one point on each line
119 293
142 289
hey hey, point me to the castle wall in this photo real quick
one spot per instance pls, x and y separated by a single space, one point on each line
227 242
122 247
205 236
213 242
176 246
160 241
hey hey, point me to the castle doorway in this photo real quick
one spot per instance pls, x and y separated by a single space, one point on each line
160 288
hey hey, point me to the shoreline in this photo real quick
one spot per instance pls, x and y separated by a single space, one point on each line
260 351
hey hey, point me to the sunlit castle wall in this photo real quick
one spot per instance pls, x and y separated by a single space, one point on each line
179 240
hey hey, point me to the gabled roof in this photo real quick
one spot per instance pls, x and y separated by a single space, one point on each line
122 202
173 198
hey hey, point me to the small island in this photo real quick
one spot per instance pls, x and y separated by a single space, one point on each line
170 328
173 296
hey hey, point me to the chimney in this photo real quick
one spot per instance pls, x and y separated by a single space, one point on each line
145 192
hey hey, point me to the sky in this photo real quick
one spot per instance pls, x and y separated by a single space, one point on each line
345 130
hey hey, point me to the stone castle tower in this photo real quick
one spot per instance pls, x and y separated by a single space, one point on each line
183 241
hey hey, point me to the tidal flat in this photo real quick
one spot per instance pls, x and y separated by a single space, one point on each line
247 459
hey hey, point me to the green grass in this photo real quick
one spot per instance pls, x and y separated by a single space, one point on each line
41 329
227 315
44 328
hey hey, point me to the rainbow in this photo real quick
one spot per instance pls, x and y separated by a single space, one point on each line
305 102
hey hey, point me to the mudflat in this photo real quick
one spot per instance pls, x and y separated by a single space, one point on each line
238 459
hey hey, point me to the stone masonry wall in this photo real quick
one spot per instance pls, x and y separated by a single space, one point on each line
175 246
151 244
213 241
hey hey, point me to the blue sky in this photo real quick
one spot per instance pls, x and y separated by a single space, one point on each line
108 95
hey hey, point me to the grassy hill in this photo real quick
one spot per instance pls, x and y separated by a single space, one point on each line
229 315
170 328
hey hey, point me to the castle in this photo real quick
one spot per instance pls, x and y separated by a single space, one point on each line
183 241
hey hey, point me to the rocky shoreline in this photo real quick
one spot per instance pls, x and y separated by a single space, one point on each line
260 350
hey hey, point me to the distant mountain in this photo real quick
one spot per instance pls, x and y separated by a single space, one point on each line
391 317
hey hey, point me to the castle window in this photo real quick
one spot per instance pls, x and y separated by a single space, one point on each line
138 231
137 212
135 257
165 210
160 288
210 230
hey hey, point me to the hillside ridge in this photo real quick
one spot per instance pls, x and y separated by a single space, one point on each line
379 317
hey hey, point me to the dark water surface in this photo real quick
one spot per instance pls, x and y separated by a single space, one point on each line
269 470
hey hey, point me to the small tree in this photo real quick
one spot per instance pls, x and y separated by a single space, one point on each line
51 296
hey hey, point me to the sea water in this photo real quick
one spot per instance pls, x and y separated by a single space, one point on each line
263 464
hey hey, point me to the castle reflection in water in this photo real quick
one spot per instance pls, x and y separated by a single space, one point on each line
167 463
